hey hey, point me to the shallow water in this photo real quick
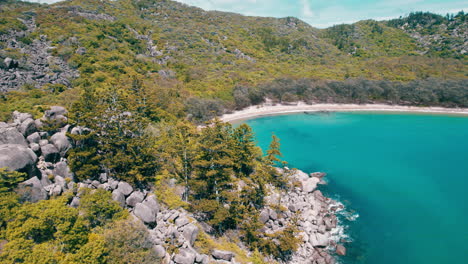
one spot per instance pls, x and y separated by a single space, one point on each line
405 175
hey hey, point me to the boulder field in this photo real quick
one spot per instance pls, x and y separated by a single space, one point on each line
25 146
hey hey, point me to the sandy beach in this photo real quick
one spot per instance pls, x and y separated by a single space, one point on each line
267 110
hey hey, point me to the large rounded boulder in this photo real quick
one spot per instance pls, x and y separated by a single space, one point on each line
10 135
16 157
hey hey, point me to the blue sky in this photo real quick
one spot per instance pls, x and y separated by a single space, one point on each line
324 13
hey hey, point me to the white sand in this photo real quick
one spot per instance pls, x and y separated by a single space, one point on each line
266 110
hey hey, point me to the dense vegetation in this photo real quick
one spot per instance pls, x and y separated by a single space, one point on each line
429 92
184 52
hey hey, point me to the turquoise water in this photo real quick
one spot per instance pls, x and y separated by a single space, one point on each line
405 175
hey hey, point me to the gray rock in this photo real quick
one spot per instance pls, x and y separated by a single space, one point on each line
18 158
113 183
44 135
273 215
340 250
221 254
34 138
160 251
62 169
318 174
152 203
39 125
61 142
50 153
27 127
10 135
59 180
190 232
35 147
181 221
310 184
11 63
119 197
95 184
71 186
144 213
33 190
105 186
185 256
318 240
134 198
56 190
19 117
43 142
264 216
55 111
75 202
103 177
125 188
77 131
202 258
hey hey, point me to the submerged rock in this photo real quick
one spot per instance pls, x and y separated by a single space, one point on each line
340 250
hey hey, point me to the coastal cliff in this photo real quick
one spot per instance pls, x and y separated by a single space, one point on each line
174 234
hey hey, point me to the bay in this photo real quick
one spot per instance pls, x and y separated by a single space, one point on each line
405 175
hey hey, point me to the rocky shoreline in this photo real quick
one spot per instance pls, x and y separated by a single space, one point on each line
26 146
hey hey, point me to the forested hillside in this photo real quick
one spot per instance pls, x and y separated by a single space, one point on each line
54 51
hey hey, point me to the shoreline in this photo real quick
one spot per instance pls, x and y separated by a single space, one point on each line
280 109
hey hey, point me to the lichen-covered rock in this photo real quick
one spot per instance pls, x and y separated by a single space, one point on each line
152 203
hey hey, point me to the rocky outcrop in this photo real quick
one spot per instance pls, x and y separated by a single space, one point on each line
36 66
173 232
313 213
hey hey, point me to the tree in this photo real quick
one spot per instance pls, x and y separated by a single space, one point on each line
9 180
213 183
215 161
274 152
245 150
128 242
97 208
176 146
84 159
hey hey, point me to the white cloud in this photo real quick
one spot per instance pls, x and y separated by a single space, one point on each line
306 10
